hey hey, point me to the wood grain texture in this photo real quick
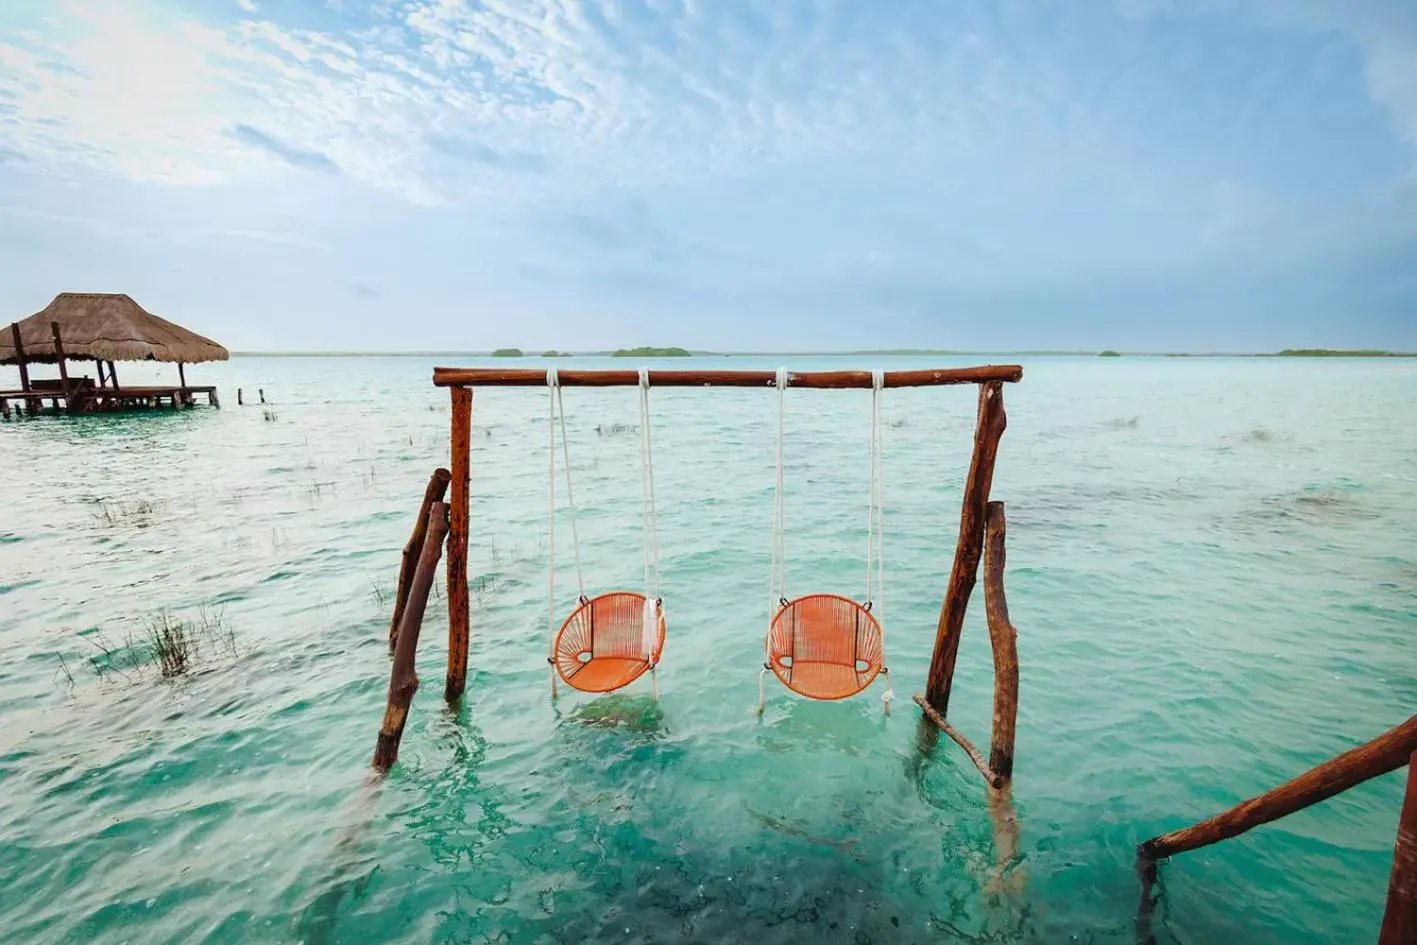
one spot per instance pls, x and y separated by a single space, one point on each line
821 380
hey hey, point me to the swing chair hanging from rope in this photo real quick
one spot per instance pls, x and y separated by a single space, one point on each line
612 639
828 646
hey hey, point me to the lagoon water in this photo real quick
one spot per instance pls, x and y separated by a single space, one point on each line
1212 570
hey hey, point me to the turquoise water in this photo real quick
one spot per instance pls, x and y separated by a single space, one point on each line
1211 568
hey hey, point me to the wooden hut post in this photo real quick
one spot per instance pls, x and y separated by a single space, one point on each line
457 545
437 488
182 382
1400 917
59 353
988 429
113 374
101 380
20 357
1004 640
403 680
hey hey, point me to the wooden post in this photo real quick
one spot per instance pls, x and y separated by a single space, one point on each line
181 376
988 429
238 397
457 545
990 778
1004 640
59 353
262 392
437 488
113 374
1388 752
20 356
403 680
101 380
1400 917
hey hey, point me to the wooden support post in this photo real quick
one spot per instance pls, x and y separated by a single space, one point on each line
113 374
238 397
988 429
403 680
262 392
1400 917
181 376
101 380
59 353
457 545
4 408
1388 752
212 398
1004 640
437 489
990 778
20 356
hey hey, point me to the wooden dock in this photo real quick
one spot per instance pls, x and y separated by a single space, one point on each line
81 396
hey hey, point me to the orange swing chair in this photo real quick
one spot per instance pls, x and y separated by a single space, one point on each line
828 646
612 639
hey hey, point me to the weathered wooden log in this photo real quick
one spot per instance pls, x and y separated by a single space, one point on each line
20 361
990 778
1388 752
262 392
1004 640
457 545
239 401
989 427
403 680
1400 917
821 380
437 489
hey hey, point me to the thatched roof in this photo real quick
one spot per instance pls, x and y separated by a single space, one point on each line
106 327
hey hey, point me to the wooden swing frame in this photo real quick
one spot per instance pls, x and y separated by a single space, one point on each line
416 574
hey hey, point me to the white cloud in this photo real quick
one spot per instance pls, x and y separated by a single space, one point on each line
250 6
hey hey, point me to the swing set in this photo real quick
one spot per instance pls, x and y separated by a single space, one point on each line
824 645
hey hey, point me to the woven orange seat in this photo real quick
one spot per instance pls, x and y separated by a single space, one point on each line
599 647
825 646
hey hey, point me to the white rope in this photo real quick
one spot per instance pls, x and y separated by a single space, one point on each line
777 582
875 525
570 492
777 571
653 590
552 383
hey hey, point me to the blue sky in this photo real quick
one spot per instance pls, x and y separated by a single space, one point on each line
727 174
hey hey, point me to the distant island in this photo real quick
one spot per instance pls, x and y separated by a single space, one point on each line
1109 353
508 353
1338 353
651 353
553 353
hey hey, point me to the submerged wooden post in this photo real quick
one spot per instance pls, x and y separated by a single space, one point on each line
403 680
238 397
1400 917
437 488
457 544
988 429
1004 640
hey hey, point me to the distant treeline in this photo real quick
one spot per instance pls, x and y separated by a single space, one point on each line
1338 353
652 353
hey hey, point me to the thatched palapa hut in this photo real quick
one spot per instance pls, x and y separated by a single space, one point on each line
103 328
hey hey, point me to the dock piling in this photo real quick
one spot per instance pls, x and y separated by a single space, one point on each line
457 545
437 489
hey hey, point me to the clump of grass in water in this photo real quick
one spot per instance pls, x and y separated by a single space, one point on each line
269 416
136 512
171 644
1260 435
616 429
